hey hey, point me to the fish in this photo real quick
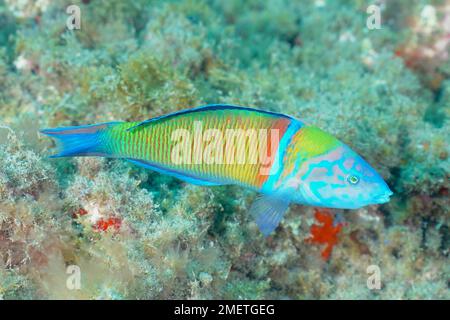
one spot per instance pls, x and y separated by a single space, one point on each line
284 159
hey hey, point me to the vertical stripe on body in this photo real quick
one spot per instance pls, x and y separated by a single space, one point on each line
274 179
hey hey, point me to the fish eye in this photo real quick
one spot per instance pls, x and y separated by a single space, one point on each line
352 179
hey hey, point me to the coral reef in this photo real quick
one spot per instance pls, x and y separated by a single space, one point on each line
136 234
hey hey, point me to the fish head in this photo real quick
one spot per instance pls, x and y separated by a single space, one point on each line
341 178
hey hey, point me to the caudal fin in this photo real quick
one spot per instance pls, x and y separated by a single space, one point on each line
80 141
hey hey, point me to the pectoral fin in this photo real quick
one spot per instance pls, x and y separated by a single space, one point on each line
268 212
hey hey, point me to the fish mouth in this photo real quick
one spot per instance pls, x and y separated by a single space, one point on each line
384 197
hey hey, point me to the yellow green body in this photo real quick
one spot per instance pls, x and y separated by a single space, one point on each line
157 143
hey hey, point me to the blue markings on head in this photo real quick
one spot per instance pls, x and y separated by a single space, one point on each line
340 179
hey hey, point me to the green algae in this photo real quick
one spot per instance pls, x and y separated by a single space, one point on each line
133 60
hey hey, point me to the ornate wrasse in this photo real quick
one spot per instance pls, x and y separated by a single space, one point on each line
279 156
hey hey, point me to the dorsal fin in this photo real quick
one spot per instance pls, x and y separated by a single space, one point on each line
210 107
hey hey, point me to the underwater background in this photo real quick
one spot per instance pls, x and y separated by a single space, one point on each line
135 234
